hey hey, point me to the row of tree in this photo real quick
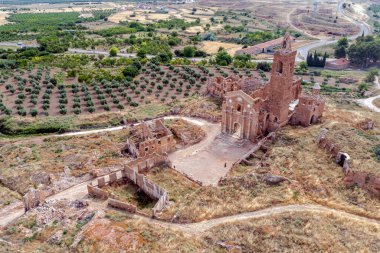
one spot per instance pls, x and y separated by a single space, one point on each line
315 60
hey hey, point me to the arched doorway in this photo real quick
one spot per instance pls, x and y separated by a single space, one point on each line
312 120
236 130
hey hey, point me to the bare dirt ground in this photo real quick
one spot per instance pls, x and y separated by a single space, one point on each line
3 18
210 159
212 47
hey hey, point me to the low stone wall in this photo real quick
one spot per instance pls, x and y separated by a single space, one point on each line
151 189
122 205
364 180
131 172
148 162
96 192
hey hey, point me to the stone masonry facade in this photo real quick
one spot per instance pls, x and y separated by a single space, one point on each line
149 138
252 109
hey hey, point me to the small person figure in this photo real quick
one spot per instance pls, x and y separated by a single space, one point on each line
225 165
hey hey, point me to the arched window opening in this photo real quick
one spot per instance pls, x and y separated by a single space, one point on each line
280 67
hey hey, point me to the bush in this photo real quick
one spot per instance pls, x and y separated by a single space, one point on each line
77 111
21 112
33 112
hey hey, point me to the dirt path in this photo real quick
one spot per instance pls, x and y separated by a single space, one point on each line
16 210
368 102
200 227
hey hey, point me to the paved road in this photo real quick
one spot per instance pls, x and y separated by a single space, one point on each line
368 102
16 44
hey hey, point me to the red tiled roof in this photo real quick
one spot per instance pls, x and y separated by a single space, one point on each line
341 61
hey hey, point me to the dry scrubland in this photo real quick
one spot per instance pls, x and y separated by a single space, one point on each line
314 175
376 102
113 231
298 232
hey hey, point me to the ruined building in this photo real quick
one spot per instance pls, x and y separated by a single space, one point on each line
149 138
252 108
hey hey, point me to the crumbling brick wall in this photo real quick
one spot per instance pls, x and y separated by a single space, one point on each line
131 172
33 198
364 180
122 205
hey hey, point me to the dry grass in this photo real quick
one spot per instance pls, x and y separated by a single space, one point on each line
195 29
126 16
177 186
26 162
212 47
295 155
117 233
297 232
142 16
7 196
376 102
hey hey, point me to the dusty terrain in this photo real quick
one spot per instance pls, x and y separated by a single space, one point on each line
3 16
212 47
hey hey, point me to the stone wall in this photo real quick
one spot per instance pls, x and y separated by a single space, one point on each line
131 172
33 198
148 162
364 180
96 192
122 205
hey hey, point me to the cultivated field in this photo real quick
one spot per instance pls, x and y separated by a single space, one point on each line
212 47
48 92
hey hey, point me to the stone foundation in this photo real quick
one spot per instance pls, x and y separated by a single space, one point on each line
131 172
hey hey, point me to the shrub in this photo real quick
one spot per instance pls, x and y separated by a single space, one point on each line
21 112
133 104
91 109
77 111
33 112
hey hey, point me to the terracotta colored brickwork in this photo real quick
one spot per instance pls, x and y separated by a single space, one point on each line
251 109
122 205
131 172
149 138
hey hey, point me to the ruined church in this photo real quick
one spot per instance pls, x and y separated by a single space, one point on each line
253 108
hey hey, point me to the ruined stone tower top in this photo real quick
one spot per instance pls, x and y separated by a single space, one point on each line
287 43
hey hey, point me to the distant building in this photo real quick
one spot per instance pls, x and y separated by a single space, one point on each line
337 64
266 47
